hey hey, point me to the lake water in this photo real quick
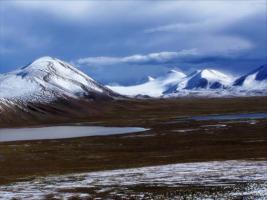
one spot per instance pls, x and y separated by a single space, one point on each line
231 117
62 132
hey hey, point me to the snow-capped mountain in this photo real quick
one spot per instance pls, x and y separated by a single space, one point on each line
205 83
176 82
207 79
48 78
154 87
50 90
255 80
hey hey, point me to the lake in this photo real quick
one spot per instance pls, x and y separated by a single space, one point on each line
230 116
62 132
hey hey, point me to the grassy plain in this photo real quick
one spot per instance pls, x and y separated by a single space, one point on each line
169 140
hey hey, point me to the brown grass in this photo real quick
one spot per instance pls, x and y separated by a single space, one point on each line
160 145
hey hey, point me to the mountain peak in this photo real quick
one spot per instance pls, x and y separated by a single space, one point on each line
40 61
175 74
207 78
173 71
44 66
252 78
46 78
44 58
150 78
211 74
208 70
44 62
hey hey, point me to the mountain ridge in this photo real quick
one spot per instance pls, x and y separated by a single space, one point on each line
47 79
50 90
206 82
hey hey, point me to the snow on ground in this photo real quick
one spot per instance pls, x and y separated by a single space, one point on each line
253 174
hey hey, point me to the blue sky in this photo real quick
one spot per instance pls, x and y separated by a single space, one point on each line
124 41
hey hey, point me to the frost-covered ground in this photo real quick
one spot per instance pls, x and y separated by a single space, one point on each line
202 180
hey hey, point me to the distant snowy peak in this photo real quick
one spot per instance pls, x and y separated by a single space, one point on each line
176 72
208 79
175 82
154 87
150 78
257 79
47 78
206 82
174 75
212 74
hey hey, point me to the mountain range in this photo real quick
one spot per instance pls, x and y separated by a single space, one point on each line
206 82
48 79
50 89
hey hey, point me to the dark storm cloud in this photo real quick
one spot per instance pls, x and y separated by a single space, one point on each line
140 37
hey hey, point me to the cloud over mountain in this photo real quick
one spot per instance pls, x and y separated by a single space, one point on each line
160 57
221 34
